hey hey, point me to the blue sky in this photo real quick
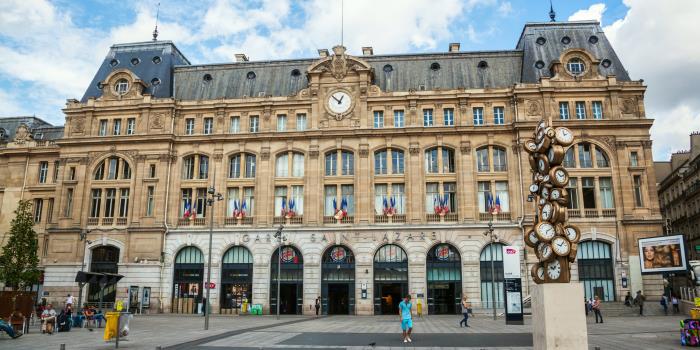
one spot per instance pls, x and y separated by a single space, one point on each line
51 49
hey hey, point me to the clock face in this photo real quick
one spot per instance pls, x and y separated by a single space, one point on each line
532 238
556 194
564 136
554 270
572 233
561 246
545 178
339 102
546 251
542 165
547 211
545 192
534 188
561 175
537 273
530 146
545 231
540 272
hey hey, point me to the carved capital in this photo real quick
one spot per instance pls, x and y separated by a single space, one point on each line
620 145
364 150
646 144
313 151
465 147
414 149
265 153
218 156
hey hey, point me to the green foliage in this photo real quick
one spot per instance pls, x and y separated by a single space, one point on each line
19 259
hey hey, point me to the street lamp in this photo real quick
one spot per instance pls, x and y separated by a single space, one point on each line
212 197
83 237
493 238
279 237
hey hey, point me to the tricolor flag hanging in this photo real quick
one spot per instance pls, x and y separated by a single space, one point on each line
284 207
497 206
291 212
489 202
244 208
187 214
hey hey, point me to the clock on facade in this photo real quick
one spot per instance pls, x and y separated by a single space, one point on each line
339 102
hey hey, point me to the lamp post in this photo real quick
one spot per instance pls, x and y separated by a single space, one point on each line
493 272
83 237
212 197
279 237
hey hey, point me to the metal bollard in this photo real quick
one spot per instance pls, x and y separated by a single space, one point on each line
63 347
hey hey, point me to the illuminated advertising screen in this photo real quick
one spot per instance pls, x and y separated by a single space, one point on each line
662 254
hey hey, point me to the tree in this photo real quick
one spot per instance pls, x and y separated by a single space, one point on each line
19 259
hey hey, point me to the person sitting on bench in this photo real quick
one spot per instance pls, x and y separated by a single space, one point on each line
8 329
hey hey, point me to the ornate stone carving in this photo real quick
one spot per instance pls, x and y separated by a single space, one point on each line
265 153
607 140
313 153
22 134
78 125
364 150
414 149
218 156
465 147
646 144
157 121
515 148
628 106
620 144
533 108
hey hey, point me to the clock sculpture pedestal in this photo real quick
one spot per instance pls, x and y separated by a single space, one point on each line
558 317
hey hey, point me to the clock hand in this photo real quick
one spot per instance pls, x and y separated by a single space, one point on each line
336 99
341 99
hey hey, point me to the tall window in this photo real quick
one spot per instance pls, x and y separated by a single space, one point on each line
580 110
289 161
117 127
330 200
49 210
398 119
478 113
432 196
114 168
245 161
588 191
189 126
56 166
380 163
346 165
152 171
331 163
347 193
499 159
448 116
572 189
68 209
637 182
301 122
150 200
428 117
102 131
601 158
449 194
606 193
484 193
482 159
498 115
254 123
378 119
186 201
397 162
235 126
43 172
281 122
584 155
200 206
439 160
564 110
110 201
282 199
38 207
71 173
569 158
634 158
130 126
123 202
95 201
208 126
492 252
502 195
198 162
597 107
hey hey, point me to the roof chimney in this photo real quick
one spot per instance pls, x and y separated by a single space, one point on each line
367 51
454 47
323 52
241 57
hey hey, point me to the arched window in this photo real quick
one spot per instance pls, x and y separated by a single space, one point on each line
482 159
195 166
383 165
575 66
291 276
601 158
569 159
492 251
439 160
122 86
497 157
595 269
285 162
444 279
339 159
112 168
103 259
390 278
236 278
242 163
187 280
390 253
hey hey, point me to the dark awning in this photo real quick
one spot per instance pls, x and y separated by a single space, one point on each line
97 277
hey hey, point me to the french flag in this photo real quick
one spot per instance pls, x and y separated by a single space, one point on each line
188 214
497 206
489 202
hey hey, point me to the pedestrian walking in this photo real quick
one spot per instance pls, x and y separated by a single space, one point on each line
318 305
664 304
596 309
466 305
674 302
639 301
586 306
406 319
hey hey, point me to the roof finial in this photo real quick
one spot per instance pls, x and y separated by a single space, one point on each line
552 14
342 21
155 31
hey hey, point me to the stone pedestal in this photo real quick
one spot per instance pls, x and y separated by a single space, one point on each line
558 317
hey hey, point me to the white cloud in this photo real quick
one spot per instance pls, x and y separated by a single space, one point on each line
594 12
655 42
505 8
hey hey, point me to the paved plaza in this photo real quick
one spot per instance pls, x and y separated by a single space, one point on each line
347 332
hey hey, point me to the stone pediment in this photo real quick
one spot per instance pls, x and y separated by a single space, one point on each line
339 64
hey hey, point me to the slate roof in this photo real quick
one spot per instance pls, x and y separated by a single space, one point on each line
8 126
457 70
579 33
121 55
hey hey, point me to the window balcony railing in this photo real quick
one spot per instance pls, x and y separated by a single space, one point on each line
295 220
278 220
381 219
107 221
232 221
609 213
450 217
500 167
347 220
395 219
121 221
574 213
332 220
432 217
590 213
329 220
503 216
93 221
191 222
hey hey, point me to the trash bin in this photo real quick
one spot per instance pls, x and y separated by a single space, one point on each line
111 325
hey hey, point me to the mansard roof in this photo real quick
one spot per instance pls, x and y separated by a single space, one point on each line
403 72
8 126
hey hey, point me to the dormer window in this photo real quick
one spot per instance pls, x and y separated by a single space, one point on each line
575 66
122 86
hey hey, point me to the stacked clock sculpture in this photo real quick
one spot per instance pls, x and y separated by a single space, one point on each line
553 239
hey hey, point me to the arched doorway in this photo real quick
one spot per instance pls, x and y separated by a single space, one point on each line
595 269
291 281
390 279
444 279
104 259
338 281
236 279
187 281
494 250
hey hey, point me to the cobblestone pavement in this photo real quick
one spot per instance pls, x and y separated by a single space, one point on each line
348 332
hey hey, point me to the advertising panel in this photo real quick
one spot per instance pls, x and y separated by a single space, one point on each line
511 261
662 254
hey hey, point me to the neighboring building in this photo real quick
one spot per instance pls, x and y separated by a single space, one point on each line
153 132
679 194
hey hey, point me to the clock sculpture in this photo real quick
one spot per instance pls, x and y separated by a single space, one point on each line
553 239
